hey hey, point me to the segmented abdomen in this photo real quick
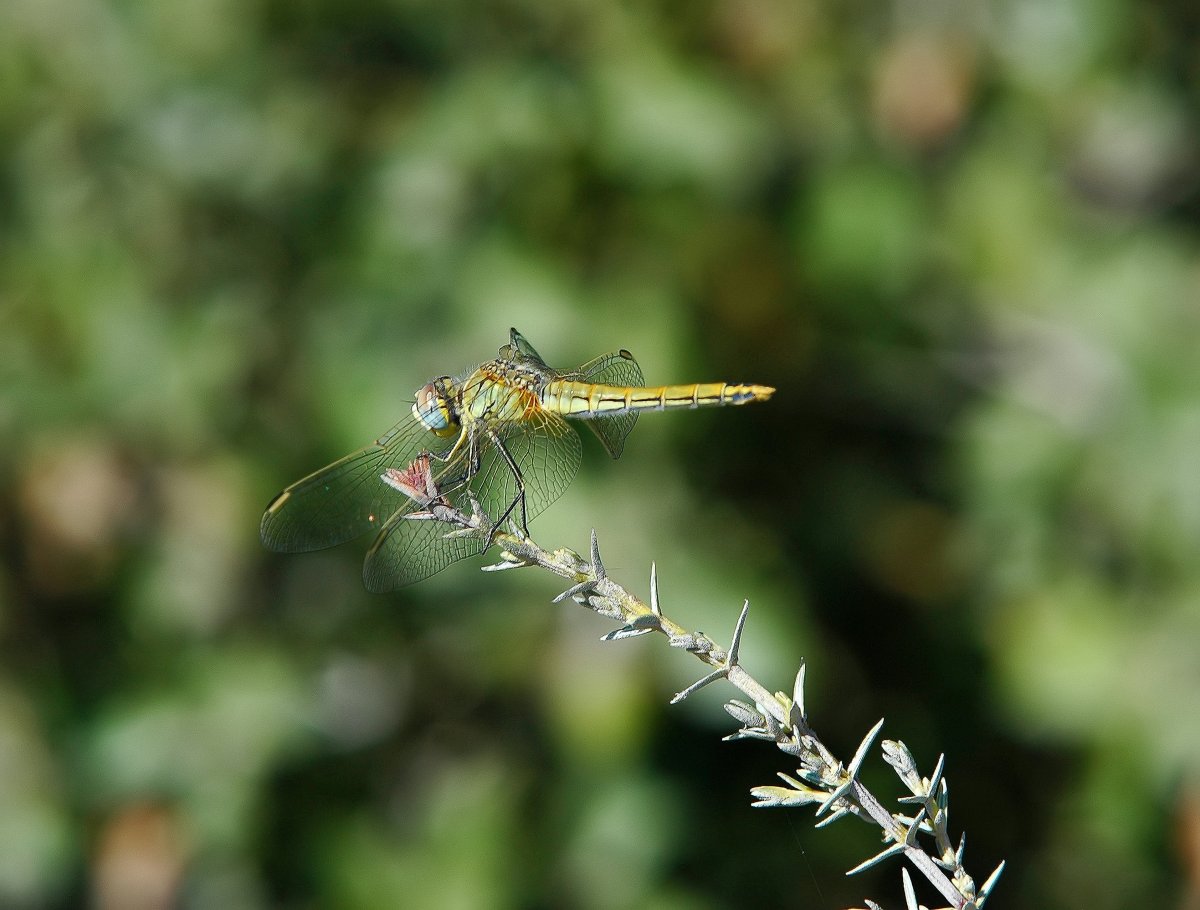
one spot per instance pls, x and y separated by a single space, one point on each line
585 399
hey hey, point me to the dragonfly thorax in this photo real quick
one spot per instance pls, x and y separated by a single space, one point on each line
434 408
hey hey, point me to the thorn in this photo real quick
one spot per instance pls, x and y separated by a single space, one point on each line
654 607
861 754
735 645
597 565
986 890
639 626
838 792
910 893
746 733
836 815
719 673
505 565
875 860
798 694
936 779
626 632
727 664
807 775
910 834
792 782
578 590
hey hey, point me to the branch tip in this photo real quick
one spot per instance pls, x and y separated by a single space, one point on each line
986 891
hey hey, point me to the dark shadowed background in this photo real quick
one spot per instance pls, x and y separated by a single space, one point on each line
960 238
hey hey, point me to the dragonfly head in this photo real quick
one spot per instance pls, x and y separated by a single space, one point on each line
434 408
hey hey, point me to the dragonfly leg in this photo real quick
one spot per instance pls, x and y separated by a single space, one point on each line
453 484
463 437
519 498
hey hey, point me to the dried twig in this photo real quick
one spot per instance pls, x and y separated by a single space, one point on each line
821 780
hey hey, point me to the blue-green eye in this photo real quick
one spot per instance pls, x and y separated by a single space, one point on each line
434 411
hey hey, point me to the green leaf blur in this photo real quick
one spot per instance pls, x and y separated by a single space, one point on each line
961 240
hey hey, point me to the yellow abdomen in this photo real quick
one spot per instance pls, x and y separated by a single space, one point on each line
585 399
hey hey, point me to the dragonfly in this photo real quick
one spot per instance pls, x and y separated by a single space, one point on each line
496 438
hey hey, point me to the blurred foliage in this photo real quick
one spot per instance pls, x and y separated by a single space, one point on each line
961 238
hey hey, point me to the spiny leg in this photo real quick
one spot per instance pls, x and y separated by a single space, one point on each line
519 498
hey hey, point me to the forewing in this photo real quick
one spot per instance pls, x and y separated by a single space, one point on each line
619 369
346 499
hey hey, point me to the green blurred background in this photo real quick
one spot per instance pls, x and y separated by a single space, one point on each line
960 238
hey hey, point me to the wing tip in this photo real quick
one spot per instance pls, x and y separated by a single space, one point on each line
267 533
375 585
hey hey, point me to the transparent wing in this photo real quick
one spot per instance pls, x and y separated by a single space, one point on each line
546 451
346 499
408 550
619 369
521 350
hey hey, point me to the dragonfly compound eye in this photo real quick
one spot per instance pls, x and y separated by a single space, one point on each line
434 411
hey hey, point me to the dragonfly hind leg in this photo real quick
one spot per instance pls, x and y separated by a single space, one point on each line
519 479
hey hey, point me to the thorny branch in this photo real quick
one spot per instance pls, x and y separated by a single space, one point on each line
776 717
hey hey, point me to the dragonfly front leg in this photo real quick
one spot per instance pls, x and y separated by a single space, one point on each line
447 485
